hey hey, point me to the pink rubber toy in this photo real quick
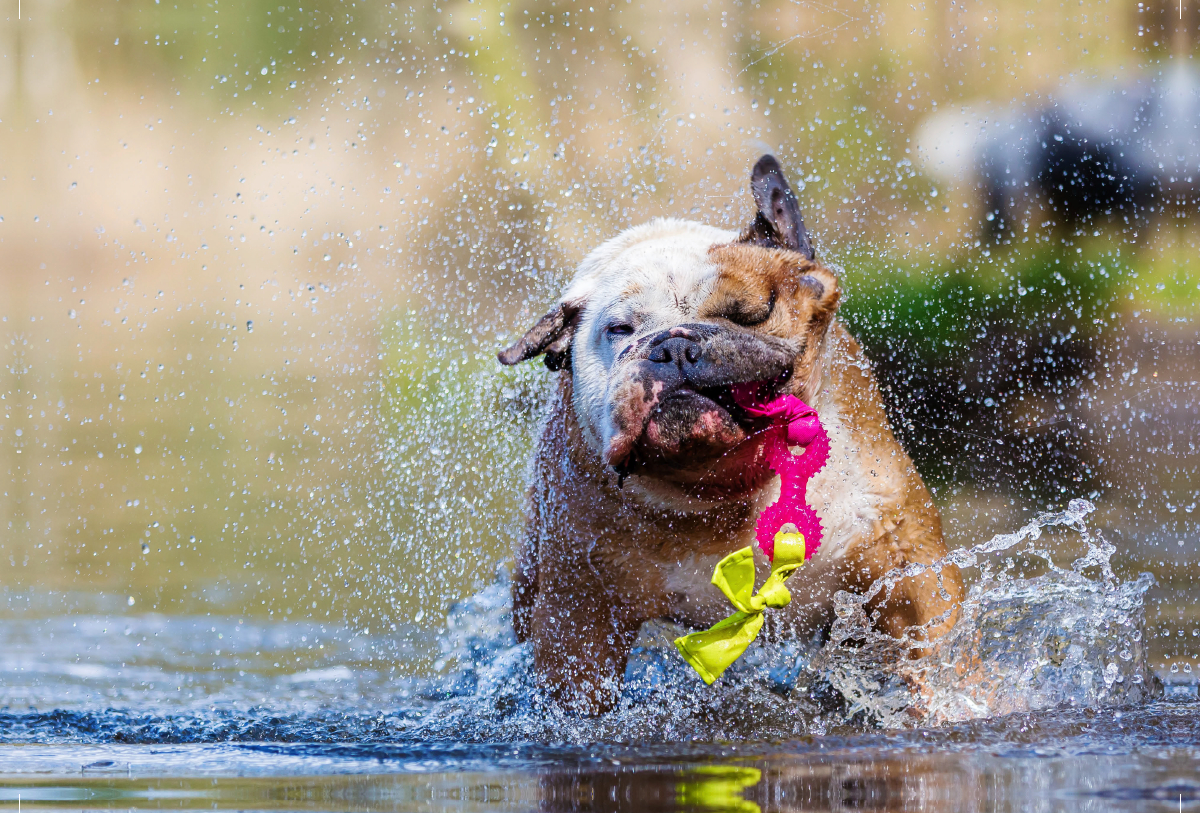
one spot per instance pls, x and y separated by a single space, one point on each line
794 423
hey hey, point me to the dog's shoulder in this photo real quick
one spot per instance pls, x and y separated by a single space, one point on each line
872 485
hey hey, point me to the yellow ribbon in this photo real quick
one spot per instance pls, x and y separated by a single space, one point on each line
718 787
715 649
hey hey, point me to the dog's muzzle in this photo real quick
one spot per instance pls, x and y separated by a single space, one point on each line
674 400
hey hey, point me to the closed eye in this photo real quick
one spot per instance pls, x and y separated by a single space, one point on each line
747 315
618 330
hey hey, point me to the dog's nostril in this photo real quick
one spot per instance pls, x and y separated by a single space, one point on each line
676 350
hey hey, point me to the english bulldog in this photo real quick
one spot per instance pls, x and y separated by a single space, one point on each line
646 472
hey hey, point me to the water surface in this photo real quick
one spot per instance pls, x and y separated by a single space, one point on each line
143 711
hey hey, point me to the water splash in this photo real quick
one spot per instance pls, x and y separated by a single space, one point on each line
1063 637
1031 636
1019 644
486 690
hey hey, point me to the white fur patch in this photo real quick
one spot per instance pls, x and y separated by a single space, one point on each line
841 493
650 277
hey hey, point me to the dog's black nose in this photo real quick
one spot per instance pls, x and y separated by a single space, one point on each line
675 347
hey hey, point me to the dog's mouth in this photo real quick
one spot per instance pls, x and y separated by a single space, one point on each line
692 425
731 398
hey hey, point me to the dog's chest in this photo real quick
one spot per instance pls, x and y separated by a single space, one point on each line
695 601
844 497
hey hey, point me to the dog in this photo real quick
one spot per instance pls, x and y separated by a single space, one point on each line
646 473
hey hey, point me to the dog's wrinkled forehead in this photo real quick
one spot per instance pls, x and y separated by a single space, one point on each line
657 273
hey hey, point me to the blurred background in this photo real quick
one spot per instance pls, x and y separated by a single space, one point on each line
256 259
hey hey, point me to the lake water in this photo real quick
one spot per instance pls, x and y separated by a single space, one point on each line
137 711
1143 759
153 727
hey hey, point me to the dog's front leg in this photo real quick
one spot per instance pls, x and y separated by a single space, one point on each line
926 605
524 586
582 635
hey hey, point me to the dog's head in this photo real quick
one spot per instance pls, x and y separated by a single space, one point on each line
662 321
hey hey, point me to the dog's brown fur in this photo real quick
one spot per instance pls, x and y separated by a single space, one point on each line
597 560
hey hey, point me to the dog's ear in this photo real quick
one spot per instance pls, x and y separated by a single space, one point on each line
552 335
778 223
820 286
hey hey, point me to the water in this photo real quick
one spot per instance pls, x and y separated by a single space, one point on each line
1020 643
1040 695
1076 760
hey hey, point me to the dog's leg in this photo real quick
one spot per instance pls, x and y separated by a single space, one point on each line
581 638
928 601
524 585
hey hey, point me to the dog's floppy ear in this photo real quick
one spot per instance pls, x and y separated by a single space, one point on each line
778 223
552 335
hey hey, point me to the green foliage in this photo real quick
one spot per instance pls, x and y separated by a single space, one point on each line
938 310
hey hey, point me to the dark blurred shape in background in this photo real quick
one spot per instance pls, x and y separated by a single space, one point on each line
1126 150
1076 192
1122 155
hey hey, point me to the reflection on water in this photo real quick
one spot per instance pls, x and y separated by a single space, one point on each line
1066 760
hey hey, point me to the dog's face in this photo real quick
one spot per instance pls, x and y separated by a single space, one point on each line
662 322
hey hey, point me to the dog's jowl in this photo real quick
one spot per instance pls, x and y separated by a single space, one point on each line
647 473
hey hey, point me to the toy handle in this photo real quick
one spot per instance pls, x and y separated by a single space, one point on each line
800 426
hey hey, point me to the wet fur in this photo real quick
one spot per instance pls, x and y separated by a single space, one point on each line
602 554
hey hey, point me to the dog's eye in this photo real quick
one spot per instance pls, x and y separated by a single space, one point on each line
618 330
749 314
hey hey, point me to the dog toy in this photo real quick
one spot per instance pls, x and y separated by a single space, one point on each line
793 423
